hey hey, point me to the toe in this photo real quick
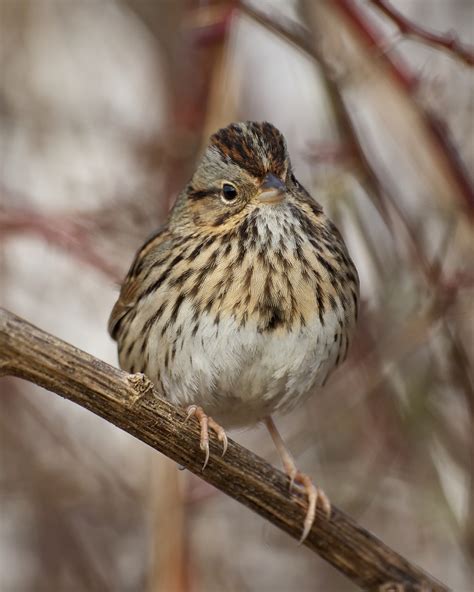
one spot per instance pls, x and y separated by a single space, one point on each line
195 410
310 515
221 434
223 438
314 495
207 423
325 503
190 411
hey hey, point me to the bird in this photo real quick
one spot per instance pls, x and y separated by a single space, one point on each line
245 301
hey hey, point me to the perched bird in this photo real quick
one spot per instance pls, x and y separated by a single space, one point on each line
246 299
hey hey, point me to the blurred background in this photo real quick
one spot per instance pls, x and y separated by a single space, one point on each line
104 107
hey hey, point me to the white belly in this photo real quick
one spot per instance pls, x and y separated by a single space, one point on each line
238 375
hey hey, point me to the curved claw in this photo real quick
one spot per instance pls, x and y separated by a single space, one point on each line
220 432
296 477
205 447
314 495
325 503
207 422
224 441
191 410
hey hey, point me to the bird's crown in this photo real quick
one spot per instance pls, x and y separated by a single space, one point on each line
258 148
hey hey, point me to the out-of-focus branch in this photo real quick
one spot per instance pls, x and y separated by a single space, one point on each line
202 40
130 402
370 58
444 155
447 41
64 231
299 36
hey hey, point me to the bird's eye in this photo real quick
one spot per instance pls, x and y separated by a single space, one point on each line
229 193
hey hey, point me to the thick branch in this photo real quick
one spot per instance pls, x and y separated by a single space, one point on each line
129 402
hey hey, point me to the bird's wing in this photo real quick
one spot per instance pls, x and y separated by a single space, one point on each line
130 289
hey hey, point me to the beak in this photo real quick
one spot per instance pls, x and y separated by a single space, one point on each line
272 190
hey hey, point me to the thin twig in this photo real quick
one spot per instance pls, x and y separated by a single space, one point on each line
371 37
130 402
66 231
445 41
300 37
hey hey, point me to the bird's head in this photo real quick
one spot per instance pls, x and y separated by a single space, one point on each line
245 167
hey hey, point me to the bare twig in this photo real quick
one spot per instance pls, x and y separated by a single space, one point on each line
300 37
446 41
371 37
366 34
66 231
129 402
203 37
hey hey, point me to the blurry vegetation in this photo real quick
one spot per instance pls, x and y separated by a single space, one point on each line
103 109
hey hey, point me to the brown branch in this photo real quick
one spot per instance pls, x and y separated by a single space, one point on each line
203 36
445 41
299 36
129 402
369 36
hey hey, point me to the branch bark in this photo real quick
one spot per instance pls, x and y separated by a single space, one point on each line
129 402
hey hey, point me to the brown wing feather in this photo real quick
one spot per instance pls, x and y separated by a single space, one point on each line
131 286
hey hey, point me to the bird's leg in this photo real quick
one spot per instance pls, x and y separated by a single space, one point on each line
297 477
207 423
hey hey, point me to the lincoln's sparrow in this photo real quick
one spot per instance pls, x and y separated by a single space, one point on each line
246 299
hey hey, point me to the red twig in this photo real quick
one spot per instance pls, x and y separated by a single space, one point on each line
372 37
210 25
448 41
203 33
63 231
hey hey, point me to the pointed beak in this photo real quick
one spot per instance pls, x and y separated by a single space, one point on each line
272 190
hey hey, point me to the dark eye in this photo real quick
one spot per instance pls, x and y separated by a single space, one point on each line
229 192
